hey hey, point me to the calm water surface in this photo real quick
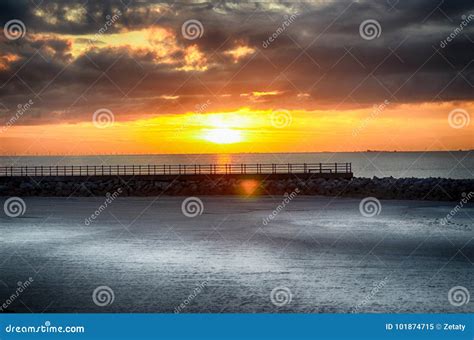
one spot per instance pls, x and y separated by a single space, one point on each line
459 164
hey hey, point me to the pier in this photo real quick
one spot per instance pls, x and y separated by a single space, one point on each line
186 171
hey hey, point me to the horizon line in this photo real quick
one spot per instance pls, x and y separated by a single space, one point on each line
232 153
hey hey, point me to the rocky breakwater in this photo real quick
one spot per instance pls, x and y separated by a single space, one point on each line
436 189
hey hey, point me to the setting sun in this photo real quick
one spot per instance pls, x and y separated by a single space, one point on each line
223 136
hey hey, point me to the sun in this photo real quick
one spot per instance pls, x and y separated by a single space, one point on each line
223 136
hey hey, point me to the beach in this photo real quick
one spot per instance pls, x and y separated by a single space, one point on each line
321 253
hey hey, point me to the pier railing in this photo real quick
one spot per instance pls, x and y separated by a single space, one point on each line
176 169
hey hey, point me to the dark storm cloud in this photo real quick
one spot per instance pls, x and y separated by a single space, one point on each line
10 9
321 53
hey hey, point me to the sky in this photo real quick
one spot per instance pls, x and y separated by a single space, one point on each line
142 77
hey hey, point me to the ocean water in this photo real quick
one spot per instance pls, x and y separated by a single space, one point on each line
454 164
323 252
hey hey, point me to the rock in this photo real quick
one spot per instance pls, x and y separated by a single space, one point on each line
382 188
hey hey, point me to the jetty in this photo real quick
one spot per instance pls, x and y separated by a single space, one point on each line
186 171
323 179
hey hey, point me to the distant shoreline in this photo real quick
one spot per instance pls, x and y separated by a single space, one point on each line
236 153
430 189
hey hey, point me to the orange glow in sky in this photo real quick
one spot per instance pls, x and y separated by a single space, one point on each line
167 90
247 130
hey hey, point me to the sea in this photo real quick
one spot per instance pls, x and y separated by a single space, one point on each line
446 164
143 255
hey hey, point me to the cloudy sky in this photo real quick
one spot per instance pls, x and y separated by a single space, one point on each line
87 77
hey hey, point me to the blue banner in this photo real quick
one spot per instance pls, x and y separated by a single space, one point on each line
237 326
